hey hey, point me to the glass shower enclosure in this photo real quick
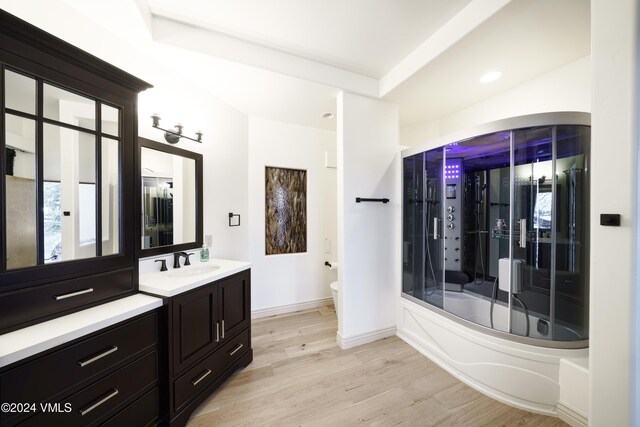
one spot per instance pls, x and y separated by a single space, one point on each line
495 232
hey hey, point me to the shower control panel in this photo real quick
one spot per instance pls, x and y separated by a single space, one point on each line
453 239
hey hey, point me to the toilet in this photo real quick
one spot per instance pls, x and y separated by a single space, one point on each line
333 265
334 294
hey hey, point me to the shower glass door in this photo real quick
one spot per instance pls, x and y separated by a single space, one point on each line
532 229
413 233
422 229
570 299
433 196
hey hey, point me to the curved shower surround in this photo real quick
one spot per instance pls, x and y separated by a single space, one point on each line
495 258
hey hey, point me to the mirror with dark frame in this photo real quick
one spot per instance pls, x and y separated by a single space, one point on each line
78 186
170 198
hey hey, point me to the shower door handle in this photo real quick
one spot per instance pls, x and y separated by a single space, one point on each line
435 229
523 233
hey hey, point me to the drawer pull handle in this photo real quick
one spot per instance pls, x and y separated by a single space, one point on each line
74 294
203 376
217 332
222 328
92 359
93 406
235 350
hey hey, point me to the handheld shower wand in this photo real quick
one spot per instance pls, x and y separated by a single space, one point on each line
479 190
430 199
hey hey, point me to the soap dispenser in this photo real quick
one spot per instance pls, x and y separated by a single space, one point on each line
204 254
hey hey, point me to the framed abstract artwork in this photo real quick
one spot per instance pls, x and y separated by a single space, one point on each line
285 211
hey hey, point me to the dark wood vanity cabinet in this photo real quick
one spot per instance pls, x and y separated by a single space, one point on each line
209 339
106 378
61 106
68 122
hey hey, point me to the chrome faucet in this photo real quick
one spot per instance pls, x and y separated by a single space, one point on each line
176 259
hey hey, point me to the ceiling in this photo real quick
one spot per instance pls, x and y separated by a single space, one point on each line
288 59
367 37
523 40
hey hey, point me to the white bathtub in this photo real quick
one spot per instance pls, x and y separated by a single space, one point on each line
522 375
477 309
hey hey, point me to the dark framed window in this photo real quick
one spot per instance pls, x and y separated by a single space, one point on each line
62 173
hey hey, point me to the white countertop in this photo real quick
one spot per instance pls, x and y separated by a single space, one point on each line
25 342
167 284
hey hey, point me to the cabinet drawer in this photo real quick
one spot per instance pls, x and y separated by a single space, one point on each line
41 302
50 375
142 412
104 397
205 372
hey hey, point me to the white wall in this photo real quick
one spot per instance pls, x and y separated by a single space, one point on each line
565 89
224 149
292 279
367 232
614 190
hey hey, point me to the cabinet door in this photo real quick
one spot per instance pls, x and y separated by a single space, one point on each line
194 318
234 300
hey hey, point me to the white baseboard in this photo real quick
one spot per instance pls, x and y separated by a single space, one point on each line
291 308
365 338
570 416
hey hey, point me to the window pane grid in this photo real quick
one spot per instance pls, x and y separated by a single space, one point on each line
91 132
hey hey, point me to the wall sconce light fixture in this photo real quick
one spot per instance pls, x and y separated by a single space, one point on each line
172 136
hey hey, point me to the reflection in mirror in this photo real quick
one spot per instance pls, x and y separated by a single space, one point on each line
542 208
110 200
110 120
168 199
20 92
75 155
20 134
70 177
67 107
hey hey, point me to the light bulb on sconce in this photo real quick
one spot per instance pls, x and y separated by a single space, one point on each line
172 136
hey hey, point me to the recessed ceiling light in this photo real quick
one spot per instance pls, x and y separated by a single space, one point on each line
491 76
327 115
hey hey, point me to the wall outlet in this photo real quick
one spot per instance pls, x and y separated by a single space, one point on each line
208 240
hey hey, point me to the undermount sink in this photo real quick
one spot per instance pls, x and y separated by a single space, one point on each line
193 270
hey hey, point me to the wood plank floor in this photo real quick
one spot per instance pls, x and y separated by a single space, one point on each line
300 376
